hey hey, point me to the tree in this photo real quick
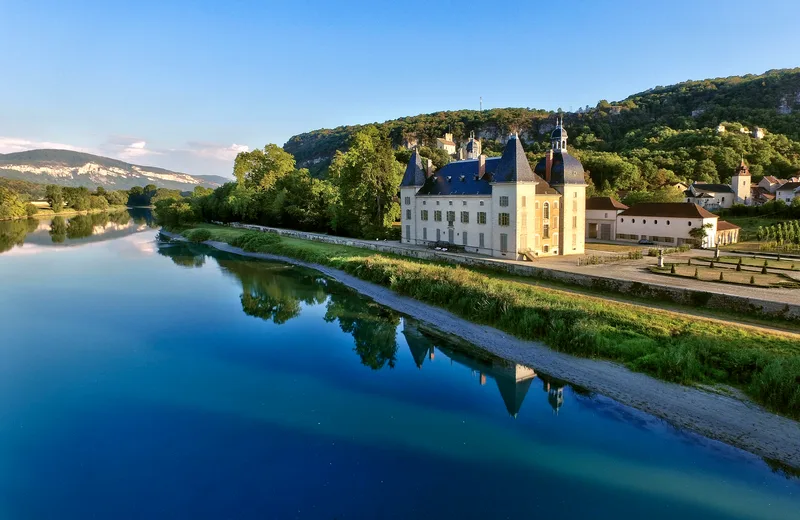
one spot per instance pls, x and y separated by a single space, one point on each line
260 169
11 206
55 197
77 198
367 178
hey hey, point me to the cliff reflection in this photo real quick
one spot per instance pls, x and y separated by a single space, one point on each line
73 230
513 380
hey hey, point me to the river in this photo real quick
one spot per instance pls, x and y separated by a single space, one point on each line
141 379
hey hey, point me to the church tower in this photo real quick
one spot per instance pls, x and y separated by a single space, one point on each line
740 183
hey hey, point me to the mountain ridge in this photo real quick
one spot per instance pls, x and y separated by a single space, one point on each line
638 125
71 168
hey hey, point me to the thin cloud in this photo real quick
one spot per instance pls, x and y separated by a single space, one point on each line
17 144
216 151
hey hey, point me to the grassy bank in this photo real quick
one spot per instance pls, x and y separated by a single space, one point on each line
672 347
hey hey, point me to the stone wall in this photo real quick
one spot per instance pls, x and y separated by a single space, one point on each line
680 295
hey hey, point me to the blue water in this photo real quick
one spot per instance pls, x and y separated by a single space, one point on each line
140 380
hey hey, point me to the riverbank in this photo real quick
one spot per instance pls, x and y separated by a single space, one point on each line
47 213
723 417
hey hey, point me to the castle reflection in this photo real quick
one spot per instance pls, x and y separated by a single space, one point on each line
513 380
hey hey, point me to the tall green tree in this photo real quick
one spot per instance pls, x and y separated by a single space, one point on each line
55 197
11 206
261 169
367 178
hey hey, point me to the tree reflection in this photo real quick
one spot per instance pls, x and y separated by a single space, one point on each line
58 230
79 226
13 233
373 327
271 293
182 254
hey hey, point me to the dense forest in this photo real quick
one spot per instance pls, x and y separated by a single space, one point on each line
642 143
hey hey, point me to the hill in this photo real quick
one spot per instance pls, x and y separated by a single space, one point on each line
68 168
643 141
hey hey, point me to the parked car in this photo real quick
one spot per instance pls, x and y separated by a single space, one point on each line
646 242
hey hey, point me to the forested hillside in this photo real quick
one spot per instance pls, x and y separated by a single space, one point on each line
644 142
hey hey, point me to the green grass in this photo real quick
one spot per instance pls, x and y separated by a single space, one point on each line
772 263
677 348
750 225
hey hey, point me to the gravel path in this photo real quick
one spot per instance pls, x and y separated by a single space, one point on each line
736 422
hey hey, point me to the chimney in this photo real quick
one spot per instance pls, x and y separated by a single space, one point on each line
548 164
481 166
428 167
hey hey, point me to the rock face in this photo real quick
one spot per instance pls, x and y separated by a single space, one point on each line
68 168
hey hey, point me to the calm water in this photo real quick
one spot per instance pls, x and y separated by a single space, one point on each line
140 380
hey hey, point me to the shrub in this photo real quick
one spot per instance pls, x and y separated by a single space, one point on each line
31 210
672 269
199 235
778 384
764 269
696 273
721 276
256 242
752 280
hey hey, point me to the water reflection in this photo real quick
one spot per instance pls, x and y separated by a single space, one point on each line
74 230
512 379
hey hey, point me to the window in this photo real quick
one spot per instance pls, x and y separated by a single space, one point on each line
633 221
437 202
424 214
408 232
644 221
504 219
723 199
424 233
451 216
424 202
690 224
622 220
408 214
481 217
625 236
655 222
463 202
523 201
503 242
536 205
668 222
450 202
437 215
574 241
546 249
481 242
481 203
574 194
575 222
408 201
465 217
575 205
504 201
464 238
546 210
546 231
606 215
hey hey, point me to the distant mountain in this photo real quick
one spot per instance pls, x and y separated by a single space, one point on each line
69 168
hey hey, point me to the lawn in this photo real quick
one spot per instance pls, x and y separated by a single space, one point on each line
612 248
729 275
750 225
788 265
673 347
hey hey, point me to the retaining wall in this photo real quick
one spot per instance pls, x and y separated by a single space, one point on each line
680 295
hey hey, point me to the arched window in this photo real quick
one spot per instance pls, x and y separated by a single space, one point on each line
546 210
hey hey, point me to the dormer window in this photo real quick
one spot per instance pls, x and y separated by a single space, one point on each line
449 178
463 178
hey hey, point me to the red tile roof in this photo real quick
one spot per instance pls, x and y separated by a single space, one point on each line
667 209
723 225
604 203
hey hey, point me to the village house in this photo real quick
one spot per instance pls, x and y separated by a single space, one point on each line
498 206
471 149
672 224
788 192
447 144
771 184
601 217
718 196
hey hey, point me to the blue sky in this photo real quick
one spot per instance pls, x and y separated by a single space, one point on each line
186 84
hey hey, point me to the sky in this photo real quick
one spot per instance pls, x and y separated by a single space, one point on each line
187 84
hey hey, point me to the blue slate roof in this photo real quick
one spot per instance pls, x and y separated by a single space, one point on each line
415 175
460 178
514 166
565 169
